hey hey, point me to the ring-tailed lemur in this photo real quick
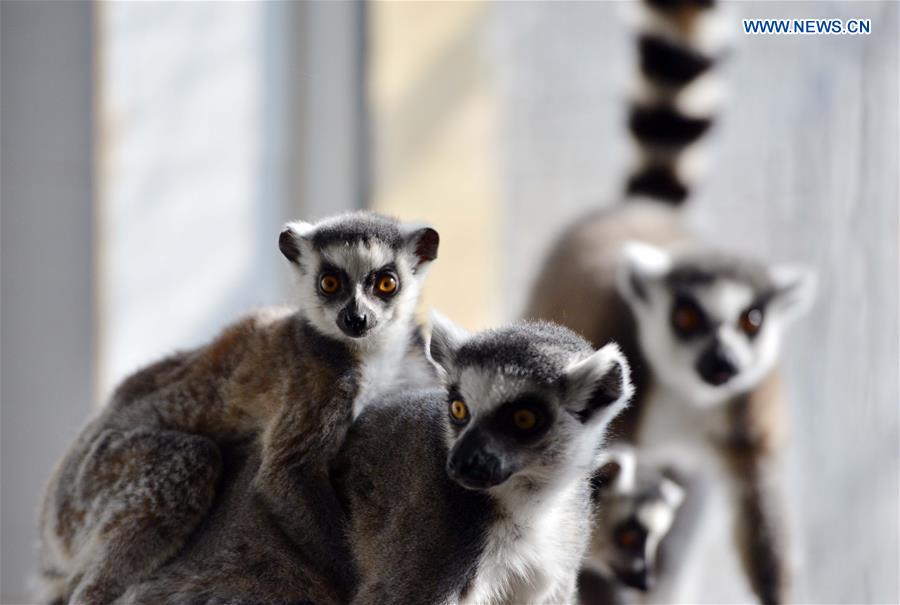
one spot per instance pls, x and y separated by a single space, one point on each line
703 328
142 474
480 493
517 428
635 505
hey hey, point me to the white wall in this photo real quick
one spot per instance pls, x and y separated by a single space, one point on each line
46 96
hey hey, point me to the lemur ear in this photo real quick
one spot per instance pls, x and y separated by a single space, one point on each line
423 242
444 341
672 486
615 469
795 289
291 239
640 264
600 383
672 492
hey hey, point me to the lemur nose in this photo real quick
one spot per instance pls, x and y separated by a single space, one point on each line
717 364
477 470
479 466
353 322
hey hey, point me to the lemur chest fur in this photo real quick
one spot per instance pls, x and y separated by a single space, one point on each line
400 365
676 433
530 550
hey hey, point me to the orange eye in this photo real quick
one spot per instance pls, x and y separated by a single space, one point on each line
329 284
629 538
387 284
751 321
524 419
686 318
459 411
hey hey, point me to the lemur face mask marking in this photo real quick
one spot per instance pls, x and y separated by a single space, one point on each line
358 275
710 326
518 402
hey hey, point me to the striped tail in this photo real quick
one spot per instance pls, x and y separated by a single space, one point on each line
677 48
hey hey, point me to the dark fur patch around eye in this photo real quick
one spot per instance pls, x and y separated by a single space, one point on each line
454 394
631 536
330 269
502 421
686 302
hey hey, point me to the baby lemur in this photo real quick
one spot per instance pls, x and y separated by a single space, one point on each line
481 493
702 328
635 505
142 475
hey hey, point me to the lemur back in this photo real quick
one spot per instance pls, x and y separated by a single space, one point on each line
142 475
239 553
702 327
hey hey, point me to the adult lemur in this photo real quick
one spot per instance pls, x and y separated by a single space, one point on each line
703 328
496 493
142 475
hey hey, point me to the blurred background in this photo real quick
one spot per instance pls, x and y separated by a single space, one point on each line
151 151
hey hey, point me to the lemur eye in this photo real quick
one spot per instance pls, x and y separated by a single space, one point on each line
329 284
687 316
524 419
387 284
458 411
628 538
751 321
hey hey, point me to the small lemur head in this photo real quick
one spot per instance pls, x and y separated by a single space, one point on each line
359 274
634 507
527 404
710 325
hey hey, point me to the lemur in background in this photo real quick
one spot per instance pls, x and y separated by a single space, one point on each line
480 493
142 475
476 493
703 328
635 505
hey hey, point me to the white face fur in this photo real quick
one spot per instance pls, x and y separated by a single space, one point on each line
709 339
361 291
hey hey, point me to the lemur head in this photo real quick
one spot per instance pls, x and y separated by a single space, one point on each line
359 274
710 325
634 507
527 404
